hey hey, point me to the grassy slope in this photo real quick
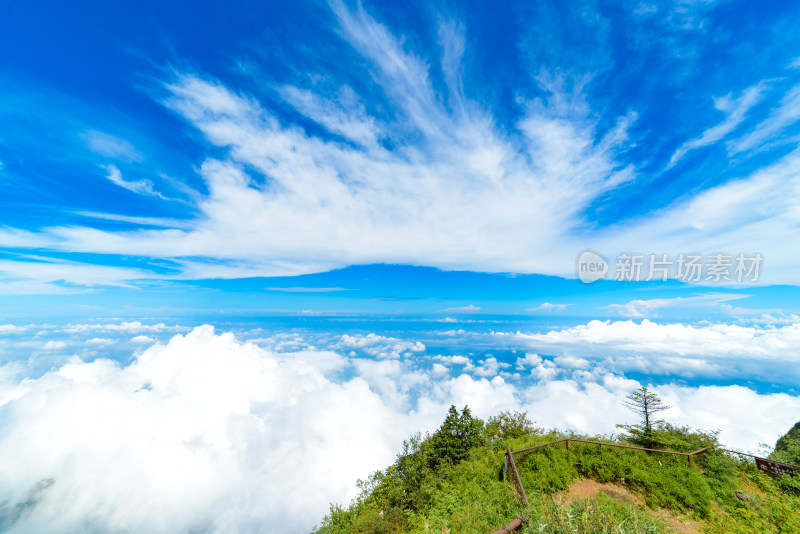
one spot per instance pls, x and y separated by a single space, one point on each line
472 497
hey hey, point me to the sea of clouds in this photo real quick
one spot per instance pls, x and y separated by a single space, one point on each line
209 432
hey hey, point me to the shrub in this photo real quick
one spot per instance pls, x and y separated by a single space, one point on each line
509 425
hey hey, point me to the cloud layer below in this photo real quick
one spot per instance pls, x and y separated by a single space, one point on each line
209 433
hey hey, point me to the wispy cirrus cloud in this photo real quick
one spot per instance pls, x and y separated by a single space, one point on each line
138 221
307 289
311 203
786 113
735 110
110 146
753 214
471 308
550 307
644 308
142 187
429 180
345 116
45 274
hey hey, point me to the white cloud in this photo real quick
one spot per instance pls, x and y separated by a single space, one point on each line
41 277
307 289
549 307
773 317
437 369
100 341
489 367
345 116
545 371
456 359
572 362
458 332
140 221
224 436
142 339
531 359
380 346
218 436
644 308
744 417
756 214
787 112
455 191
54 345
678 16
391 379
766 353
464 309
645 9
111 146
29 287
142 187
676 338
124 326
735 111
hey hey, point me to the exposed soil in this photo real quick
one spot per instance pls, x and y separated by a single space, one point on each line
585 489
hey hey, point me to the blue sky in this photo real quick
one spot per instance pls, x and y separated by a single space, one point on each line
392 200
144 145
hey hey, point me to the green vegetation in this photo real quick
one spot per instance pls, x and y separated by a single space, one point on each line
787 448
452 481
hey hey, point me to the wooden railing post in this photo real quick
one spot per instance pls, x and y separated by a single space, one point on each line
514 525
512 469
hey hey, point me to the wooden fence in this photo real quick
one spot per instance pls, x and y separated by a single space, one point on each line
510 468
516 481
770 467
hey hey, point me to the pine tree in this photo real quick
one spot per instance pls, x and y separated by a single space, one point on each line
645 404
458 434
